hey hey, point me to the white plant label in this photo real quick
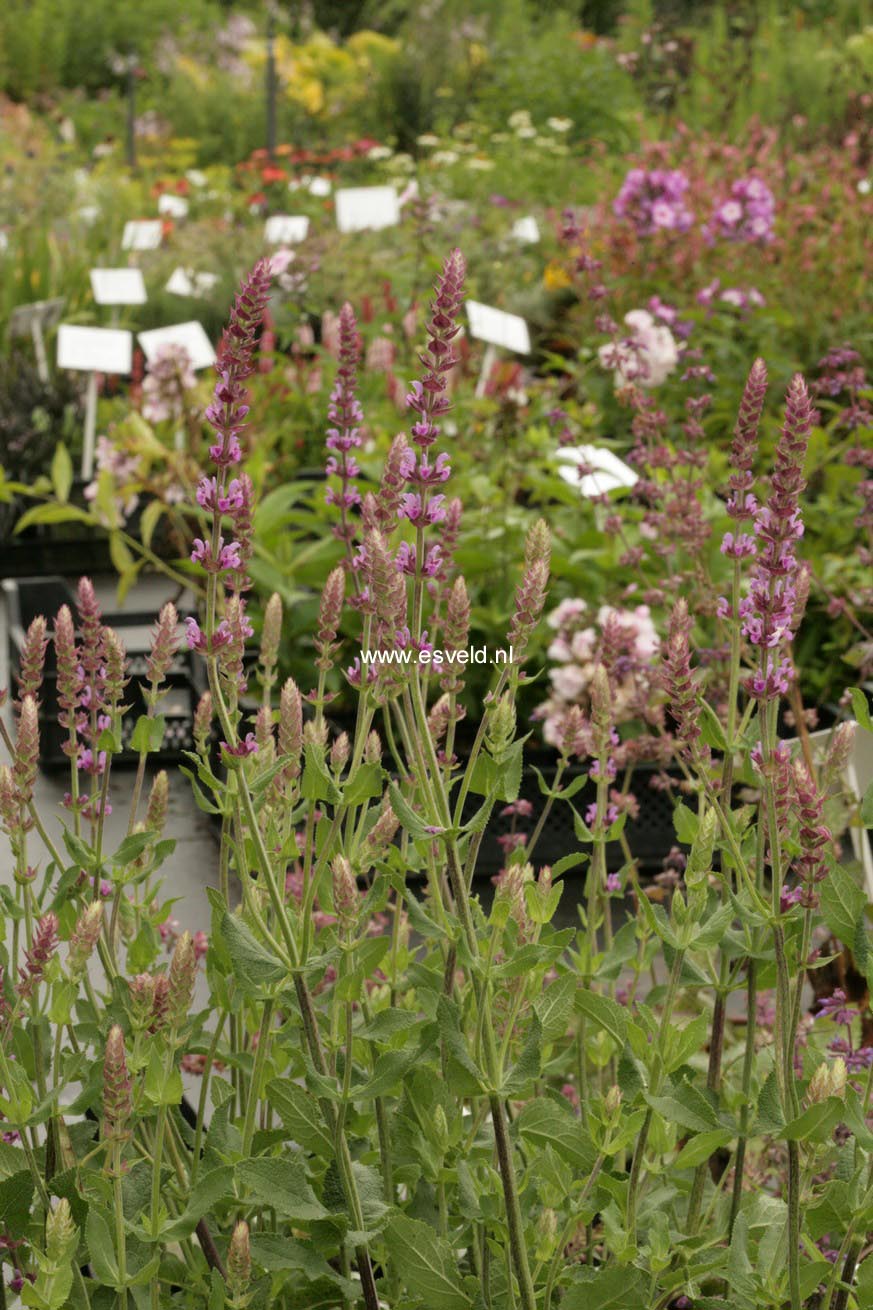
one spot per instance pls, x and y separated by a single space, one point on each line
526 230
118 286
498 328
185 282
94 350
363 208
189 336
607 470
42 313
173 206
286 229
142 234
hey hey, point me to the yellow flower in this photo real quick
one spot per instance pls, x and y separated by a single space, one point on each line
556 277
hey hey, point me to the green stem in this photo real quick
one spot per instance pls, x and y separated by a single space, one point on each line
257 1073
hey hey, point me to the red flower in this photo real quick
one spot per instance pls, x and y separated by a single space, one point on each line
270 173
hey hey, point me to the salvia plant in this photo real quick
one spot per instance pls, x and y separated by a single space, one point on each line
412 1094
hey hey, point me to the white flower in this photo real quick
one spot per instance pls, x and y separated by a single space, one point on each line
445 157
380 152
647 356
569 681
520 118
428 139
480 165
560 124
864 186
526 133
567 610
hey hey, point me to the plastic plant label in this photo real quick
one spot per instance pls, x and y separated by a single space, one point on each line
173 206
41 313
359 209
498 328
94 350
185 282
189 336
118 286
142 234
526 230
607 471
286 229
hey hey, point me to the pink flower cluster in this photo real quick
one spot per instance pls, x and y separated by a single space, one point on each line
654 201
747 214
625 639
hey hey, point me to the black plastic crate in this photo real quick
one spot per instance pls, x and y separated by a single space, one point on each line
649 837
26 598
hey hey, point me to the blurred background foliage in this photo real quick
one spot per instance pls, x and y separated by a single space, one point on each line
395 69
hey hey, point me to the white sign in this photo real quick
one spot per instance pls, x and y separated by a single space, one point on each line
33 320
142 234
319 186
172 206
498 328
286 229
526 229
607 470
94 350
360 208
118 286
42 313
189 336
185 282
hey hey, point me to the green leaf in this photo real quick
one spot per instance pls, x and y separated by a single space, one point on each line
16 1195
148 735
276 1253
301 1115
686 823
527 1067
412 822
815 1123
149 520
282 1184
101 1248
162 1086
365 784
122 560
860 706
211 1189
701 1147
555 1006
389 1069
604 1289
450 1032
605 1013
132 848
316 783
543 1122
842 903
770 1118
254 966
426 1263
685 1106
866 810
52 514
62 473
